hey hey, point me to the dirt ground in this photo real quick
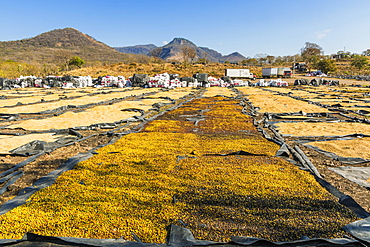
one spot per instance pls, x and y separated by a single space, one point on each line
359 193
45 163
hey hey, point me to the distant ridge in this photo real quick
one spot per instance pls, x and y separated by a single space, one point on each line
48 47
172 51
233 57
136 49
55 46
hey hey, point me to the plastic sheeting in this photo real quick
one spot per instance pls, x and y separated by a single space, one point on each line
43 182
359 175
140 80
51 177
303 161
201 77
316 82
31 239
344 160
11 179
187 79
360 230
241 152
331 138
177 237
302 116
36 147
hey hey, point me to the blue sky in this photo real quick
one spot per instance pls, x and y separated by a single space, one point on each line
273 27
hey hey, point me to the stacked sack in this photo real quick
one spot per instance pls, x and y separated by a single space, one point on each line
277 83
166 81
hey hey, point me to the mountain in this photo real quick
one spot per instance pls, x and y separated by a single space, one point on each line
172 51
212 55
57 45
233 57
136 49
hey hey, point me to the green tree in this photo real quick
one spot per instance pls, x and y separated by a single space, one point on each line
76 61
244 61
203 61
312 61
359 62
326 65
311 54
251 61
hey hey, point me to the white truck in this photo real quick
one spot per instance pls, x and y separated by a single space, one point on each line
269 72
284 72
278 72
239 74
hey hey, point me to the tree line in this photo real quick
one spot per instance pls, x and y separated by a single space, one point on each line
313 57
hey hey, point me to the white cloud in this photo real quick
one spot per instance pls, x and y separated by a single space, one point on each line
322 34
220 43
164 42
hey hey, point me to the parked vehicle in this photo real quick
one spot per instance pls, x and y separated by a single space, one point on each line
269 72
299 67
239 74
284 72
276 72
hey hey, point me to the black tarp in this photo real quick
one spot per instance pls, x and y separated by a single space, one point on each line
177 237
226 79
140 80
201 77
187 79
